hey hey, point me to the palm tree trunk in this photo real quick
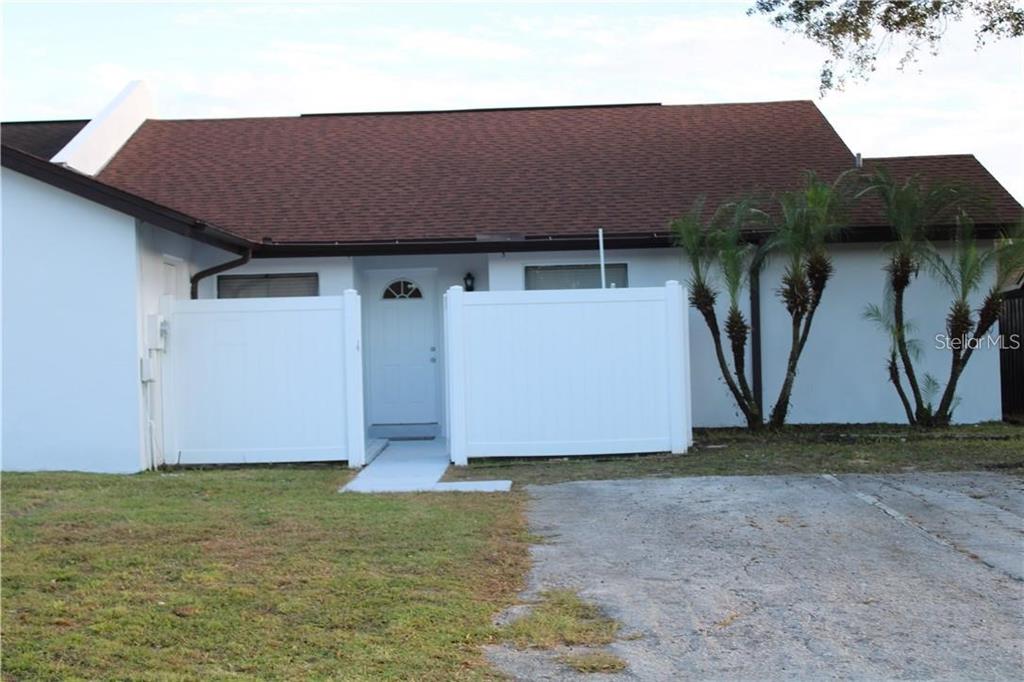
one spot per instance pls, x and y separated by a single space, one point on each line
781 408
894 377
737 331
752 416
799 340
739 362
899 289
943 415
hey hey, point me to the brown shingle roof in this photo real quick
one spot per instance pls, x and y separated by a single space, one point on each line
40 138
535 172
964 170
556 172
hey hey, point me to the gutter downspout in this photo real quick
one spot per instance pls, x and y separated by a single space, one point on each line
216 269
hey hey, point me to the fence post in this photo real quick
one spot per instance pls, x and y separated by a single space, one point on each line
355 428
168 401
684 297
677 345
455 366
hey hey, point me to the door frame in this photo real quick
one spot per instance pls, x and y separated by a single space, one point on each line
158 418
377 278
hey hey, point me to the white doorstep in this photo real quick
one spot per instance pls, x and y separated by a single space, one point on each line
414 466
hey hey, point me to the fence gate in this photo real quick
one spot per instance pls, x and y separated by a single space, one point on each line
567 372
1011 358
263 380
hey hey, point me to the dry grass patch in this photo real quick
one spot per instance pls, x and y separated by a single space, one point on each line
561 618
593 662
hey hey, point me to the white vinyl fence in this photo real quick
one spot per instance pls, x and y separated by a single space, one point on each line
263 380
567 372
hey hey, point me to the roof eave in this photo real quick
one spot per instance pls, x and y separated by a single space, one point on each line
119 200
443 246
856 234
194 228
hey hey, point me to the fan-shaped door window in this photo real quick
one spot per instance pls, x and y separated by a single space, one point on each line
402 288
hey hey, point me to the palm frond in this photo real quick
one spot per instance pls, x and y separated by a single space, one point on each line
883 316
912 207
734 254
690 234
964 269
1009 248
930 388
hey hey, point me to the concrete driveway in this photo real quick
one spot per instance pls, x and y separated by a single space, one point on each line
915 576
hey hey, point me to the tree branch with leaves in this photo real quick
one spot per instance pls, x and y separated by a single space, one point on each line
856 32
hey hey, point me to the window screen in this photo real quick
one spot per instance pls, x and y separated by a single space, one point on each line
575 276
263 286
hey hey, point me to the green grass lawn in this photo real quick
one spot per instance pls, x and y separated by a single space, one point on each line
869 448
251 574
265 573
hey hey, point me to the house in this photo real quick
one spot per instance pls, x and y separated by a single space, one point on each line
118 228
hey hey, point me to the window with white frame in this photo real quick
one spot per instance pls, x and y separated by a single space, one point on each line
268 286
586 276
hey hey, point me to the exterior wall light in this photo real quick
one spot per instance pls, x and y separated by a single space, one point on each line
468 281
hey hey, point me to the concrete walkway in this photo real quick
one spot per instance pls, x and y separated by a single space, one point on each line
414 466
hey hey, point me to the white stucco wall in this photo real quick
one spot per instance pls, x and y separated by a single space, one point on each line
451 268
645 267
70 361
335 274
842 376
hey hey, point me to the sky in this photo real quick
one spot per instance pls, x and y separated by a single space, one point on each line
220 60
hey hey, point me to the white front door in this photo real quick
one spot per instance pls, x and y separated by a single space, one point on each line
402 347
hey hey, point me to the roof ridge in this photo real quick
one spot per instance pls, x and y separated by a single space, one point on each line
471 110
959 155
744 103
474 110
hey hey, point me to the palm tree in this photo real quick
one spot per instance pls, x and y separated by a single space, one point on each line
910 208
885 318
964 271
807 219
719 242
